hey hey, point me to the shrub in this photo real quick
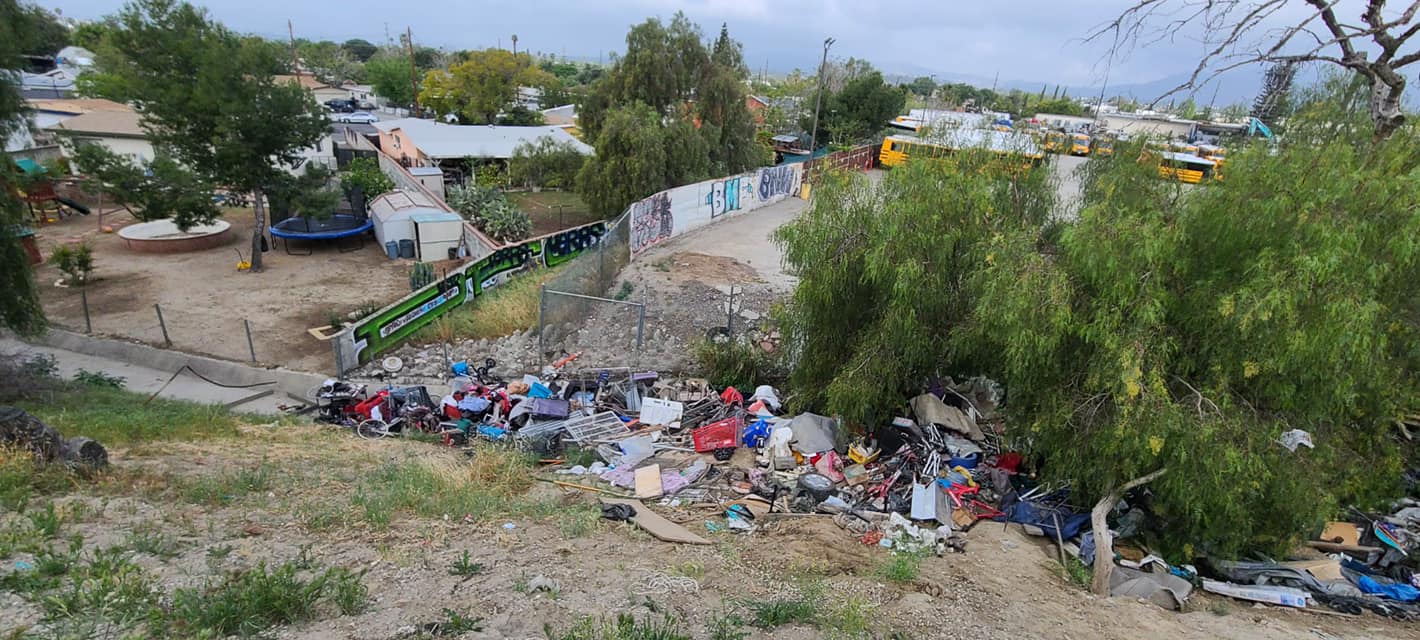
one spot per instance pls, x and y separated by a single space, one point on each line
737 363
75 261
366 174
546 163
506 222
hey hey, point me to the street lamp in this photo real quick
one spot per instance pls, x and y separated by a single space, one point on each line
818 98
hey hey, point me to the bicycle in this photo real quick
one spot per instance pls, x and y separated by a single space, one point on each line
420 418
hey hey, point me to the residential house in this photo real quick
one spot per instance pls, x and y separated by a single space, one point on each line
320 90
421 143
36 141
564 116
757 107
117 129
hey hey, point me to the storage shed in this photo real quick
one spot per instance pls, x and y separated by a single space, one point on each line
393 212
436 235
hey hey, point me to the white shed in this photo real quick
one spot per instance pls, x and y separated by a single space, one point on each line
435 233
392 214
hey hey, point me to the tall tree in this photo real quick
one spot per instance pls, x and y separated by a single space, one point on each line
388 74
359 49
328 62
20 310
1379 47
484 85
1273 100
638 154
923 86
863 106
209 96
46 33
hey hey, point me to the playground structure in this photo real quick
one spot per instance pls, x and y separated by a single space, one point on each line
337 227
46 206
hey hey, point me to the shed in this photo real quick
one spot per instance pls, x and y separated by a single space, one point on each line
391 214
435 234
431 177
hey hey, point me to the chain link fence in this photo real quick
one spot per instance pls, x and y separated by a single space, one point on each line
579 305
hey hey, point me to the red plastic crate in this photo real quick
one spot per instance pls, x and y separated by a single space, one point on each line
724 434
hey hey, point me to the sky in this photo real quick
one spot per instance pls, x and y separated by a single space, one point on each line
1022 42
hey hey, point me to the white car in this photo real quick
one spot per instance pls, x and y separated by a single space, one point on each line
359 117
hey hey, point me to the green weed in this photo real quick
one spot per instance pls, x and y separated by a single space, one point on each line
46 521
249 602
803 608
623 627
109 589
737 363
228 486
117 417
152 541
453 624
1077 573
219 552
465 566
688 569
901 567
625 291
505 310
852 617
98 379
727 626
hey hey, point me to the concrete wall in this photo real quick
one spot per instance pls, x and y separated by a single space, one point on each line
675 211
400 146
134 147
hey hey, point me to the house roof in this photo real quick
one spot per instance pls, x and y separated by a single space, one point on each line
437 140
398 200
306 80
761 100
560 116
78 106
117 124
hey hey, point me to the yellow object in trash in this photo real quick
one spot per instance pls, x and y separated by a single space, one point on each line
862 454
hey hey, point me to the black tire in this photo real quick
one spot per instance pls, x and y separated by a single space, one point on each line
372 429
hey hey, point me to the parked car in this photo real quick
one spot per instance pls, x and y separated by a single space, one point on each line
342 105
358 117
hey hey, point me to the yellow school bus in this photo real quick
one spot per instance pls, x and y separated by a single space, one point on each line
1213 152
1102 146
897 149
1186 167
1079 144
1054 141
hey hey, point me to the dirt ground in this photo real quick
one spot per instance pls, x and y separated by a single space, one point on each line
304 511
552 211
204 299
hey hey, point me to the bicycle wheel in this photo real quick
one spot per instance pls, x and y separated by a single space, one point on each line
372 429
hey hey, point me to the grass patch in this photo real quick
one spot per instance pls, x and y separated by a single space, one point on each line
250 602
116 417
507 309
228 486
22 478
901 568
1077 573
623 627
153 541
452 624
491 485
727 626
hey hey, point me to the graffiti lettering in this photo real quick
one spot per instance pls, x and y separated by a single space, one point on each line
776 181
651 221
724 197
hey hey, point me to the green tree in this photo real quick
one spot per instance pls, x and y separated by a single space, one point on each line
160 189
20 310
481 87
1159 338
389 75
859 110
209 97
90 35
365 173
638 154
360 50
46 33
328 62
923 86
547 163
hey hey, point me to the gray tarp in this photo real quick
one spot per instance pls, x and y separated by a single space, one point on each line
813 433
1164 589
930 409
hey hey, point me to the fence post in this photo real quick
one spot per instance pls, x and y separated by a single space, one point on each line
541 309
730 313
339 358
163 325
84 298
251 346
641 320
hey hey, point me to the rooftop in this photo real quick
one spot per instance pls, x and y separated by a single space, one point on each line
437 140
77 106
122 124
306 81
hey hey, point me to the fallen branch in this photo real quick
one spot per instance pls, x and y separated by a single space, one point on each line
1104 539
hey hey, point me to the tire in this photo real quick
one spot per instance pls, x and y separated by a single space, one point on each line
372 429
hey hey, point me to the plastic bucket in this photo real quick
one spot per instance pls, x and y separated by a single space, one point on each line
392 249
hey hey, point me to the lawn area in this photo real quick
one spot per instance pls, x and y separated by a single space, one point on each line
510 308
553 210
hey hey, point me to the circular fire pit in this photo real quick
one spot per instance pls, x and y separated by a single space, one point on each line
162 236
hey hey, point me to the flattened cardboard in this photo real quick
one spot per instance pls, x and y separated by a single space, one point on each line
659 528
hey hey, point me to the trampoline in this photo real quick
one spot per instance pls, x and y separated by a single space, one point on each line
337 227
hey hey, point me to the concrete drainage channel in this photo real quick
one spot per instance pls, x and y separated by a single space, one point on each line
179 375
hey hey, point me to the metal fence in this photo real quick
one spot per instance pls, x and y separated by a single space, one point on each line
580 297
210 332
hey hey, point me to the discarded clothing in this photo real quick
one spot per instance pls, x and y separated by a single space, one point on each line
618 512
768 395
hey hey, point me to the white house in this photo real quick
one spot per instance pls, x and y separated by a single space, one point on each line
119 131
417 142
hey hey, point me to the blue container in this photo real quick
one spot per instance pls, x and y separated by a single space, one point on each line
392 249
406 248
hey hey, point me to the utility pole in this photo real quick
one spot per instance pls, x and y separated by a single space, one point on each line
818 97
413 69
295 62
515 45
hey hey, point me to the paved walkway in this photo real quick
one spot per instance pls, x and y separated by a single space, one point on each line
146 380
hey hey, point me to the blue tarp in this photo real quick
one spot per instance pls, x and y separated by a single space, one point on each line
1045 517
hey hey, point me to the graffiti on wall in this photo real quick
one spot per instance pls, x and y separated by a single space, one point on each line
724 195
777 181
385 328
651 221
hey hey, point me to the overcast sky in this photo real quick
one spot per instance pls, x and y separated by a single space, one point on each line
1022 40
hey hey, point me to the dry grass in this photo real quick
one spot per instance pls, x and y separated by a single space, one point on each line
507 309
